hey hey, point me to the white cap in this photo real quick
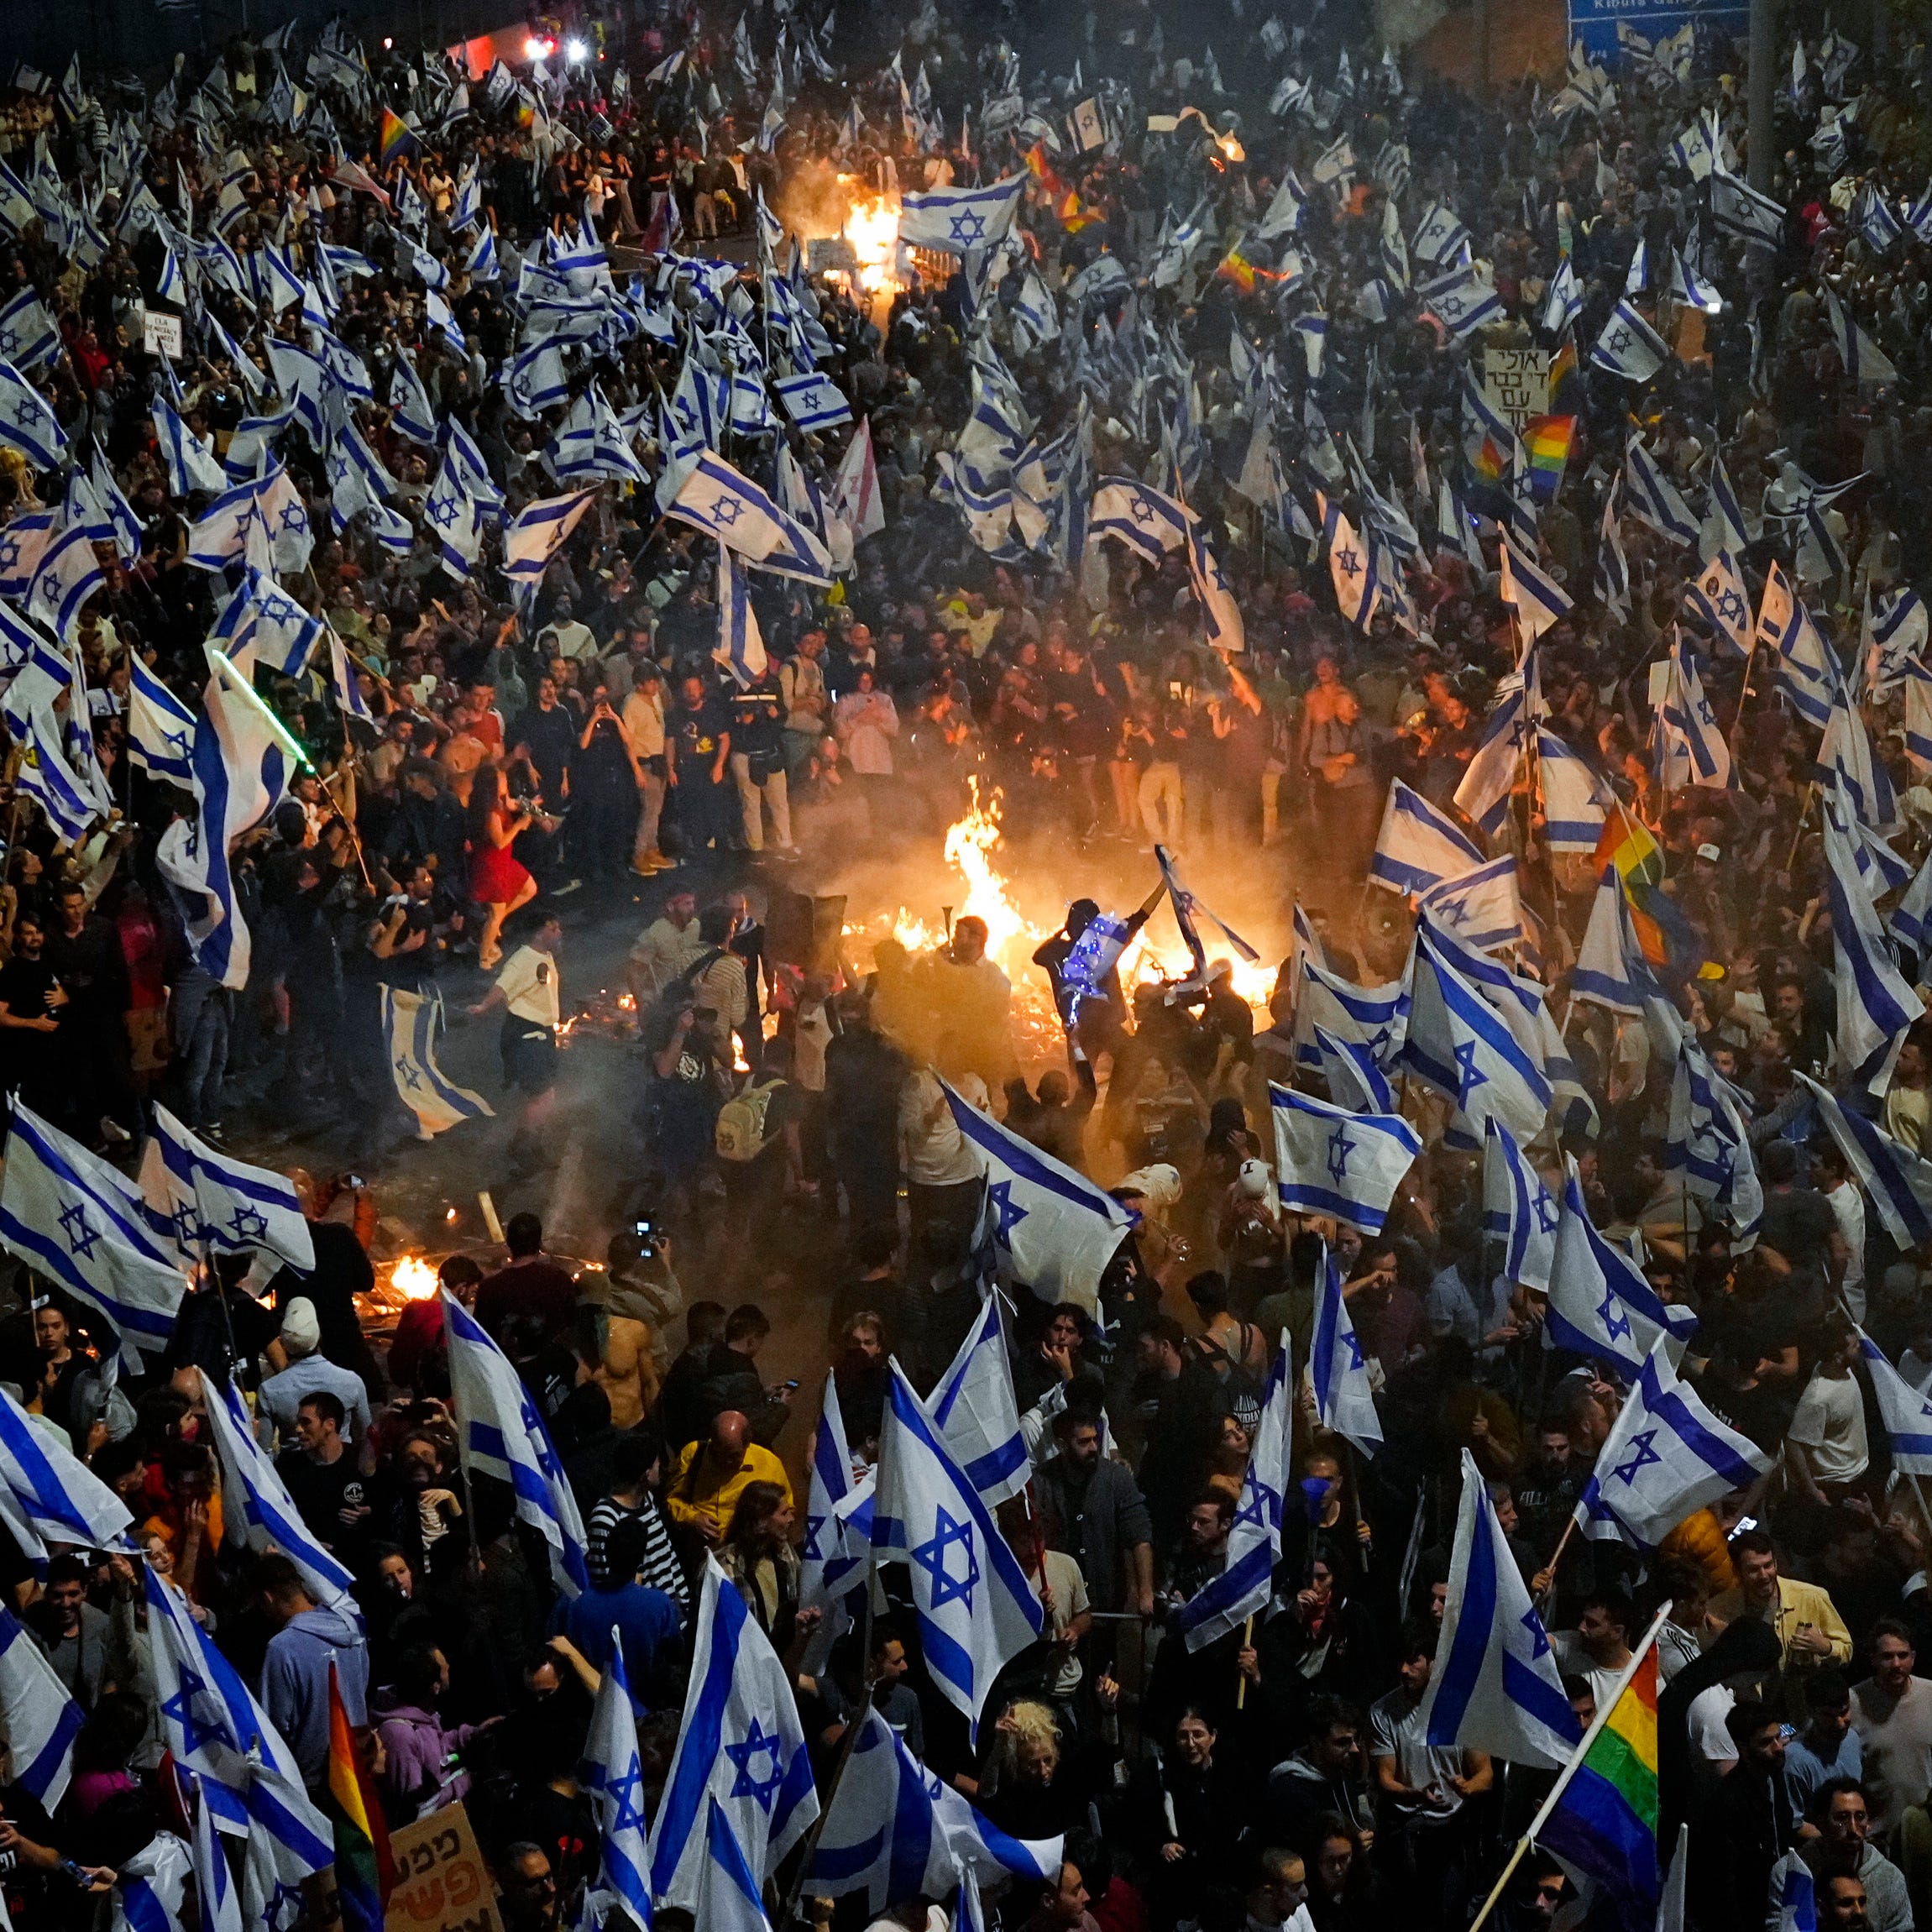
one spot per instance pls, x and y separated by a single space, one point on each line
301 1333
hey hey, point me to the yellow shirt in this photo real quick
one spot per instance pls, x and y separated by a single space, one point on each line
1798 1604
699 1499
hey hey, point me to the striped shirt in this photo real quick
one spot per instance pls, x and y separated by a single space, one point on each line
660 1568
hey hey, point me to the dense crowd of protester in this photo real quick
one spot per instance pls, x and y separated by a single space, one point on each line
1256 268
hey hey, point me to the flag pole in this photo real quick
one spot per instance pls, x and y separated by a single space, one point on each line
1240 1676
1605 1707
462 1452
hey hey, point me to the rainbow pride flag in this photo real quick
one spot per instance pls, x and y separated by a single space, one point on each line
1547 439
1627 844
365 1873
1605 1823
397 137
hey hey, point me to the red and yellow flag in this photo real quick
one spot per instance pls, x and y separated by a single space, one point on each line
365 1872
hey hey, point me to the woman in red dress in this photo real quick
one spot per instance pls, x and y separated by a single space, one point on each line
497 880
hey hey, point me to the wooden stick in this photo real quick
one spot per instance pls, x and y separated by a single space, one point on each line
1241 1676
1556 1555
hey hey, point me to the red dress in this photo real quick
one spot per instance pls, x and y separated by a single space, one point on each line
495 877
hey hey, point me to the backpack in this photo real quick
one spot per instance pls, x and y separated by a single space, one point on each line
740 1132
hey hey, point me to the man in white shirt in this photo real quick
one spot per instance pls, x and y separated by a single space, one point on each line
563 637
664 949
1832 1173
1827 1442
310 1370
643 720
527 989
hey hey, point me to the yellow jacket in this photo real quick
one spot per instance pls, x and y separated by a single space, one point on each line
1798 1604
701 1498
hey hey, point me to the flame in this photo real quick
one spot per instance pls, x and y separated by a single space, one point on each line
627 1003
873 230
413 1278
1230 147
970 843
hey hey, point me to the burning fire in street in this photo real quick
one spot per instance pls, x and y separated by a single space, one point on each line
413 1279
973 844
873 230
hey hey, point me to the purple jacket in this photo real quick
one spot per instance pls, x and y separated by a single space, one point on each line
417 1744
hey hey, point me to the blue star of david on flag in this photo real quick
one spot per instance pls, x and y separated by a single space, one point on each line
1539 1638
931 1558
1340 1147
1642 1454
180 1710
1616 1325
1473 1075
626 1793
757 1743
80 1233
968 226
1010 1211
248 1224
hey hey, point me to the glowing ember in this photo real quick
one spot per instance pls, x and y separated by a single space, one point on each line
872 230
413 1278
1230 147
627 1003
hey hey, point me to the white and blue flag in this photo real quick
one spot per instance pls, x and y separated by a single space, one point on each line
1463 1046
973 1407
1717 595
160 727
1895 1180
837 1547
1337 1367
1331 1160
1355 1079
538 533
1707 1140
1666 1457
1691 750
1147 521
1536 598
1629 346
1371 1017
1491 778
894 1829
730 1897
82 1223
977 1610
48 1494
1495 1686
957 220
741 643
1876 1004
1226 1602
409 1024
1807 672
1482 907
1794 1893
28 339
1056 1229
124 528
1611 971
1600 1305
740 1743
259 1510
1652 498
812 401
191 463
1905 1411
716 499
500 1433
38 1718
216 1201
1574 800
1419 846
1518 1210
611 1776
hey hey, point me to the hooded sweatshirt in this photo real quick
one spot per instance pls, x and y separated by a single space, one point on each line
417 1745
294 1683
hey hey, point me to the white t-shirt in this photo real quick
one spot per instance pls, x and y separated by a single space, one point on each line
1573 1660
1711 1743
529 985
1848 1204
1399 1729
1830 1421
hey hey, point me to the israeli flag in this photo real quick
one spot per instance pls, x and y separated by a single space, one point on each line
1807 672
1464 301
538 533
1611 971
976 1609
1691 750
1351 567
1629 346
1482 907
410 412
152 1893
957 220
1574 801
190 464
1652 498
973 1409
50 1496
1564 301
1666 1457
82 1223
1740 210
217 1905
740 645
1793 1892
70 803
1518 1209
1491 778
1418 846
216 1730
124 528
343 685
740 1743
1439 237
218 1203
1894 636
1846 763
1371 1017
730 1898
500 1433
611 1776
1708 1139
38 1719
1355 1081
1337 1367
1148 522
28 339
1494 1686
1057 1229
409 1024
1897 1181
1538 599
829 1566
812 401
455 515
1861 359
1220 610
1906 1413
894 1829
717 500
1687 287
1717 595
1330 1160
1612 579
1460 1044
1243 1589
259 1509
1600 1305
1875 1003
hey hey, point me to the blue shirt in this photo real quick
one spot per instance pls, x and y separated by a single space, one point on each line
1807 1768
645 1620
294 1683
